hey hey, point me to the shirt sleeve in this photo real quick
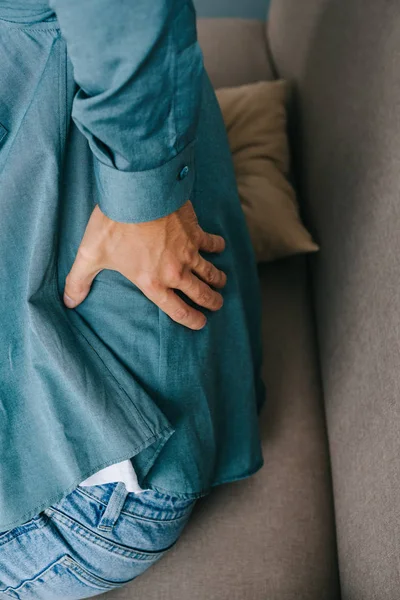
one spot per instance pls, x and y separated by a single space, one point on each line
139 70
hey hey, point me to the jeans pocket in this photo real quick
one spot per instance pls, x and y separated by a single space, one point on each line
149 532
33 524
63 579
152 505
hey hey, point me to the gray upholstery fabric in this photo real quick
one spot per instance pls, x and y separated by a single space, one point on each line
343 57
270 537
234 50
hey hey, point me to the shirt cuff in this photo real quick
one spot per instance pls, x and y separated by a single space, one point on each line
138 196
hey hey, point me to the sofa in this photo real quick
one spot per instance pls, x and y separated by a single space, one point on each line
321 520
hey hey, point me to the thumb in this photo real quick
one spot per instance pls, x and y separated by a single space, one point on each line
78 281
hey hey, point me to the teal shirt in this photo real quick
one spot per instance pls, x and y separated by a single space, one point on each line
108 102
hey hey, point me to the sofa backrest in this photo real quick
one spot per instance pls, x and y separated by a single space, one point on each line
343 58
234 50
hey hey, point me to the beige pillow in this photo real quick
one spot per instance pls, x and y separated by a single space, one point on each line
255 119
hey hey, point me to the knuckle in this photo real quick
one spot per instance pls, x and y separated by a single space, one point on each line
180 314
210 274
211 243
173 274
147 281
68 280
189 254
163 300
83 254
205 238
205 297
198 235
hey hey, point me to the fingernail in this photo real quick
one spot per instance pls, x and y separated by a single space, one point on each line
69 302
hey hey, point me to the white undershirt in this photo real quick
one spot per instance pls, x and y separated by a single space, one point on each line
122 471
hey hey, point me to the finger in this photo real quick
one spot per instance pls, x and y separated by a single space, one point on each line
175 307
79 280
200 292
211 243
209 272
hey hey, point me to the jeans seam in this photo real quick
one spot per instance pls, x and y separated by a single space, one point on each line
179 514
114 547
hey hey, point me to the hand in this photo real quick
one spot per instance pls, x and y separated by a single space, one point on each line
157 256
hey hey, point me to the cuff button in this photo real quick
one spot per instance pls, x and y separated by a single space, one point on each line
184 172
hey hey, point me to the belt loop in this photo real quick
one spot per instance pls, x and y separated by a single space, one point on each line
114 507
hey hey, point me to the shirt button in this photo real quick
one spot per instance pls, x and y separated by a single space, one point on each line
183 172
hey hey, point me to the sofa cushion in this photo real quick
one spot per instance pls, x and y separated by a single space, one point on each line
255 119
234 50
271 536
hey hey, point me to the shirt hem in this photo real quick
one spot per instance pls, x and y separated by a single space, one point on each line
164 434
205 492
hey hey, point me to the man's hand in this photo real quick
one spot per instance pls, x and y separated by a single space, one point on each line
157 256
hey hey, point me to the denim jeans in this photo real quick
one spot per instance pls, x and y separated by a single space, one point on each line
96 539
